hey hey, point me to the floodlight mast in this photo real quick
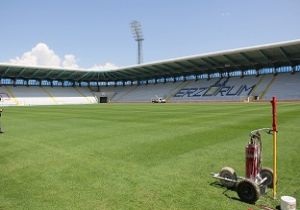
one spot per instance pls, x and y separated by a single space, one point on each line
136 29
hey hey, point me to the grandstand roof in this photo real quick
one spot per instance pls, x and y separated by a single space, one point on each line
257 57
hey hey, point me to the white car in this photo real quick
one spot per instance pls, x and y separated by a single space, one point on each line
158 100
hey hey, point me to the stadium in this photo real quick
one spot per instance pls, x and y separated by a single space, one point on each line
130 153
183 130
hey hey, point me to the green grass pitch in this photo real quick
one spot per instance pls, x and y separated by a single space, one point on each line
138 156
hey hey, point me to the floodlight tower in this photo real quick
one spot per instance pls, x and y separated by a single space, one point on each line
136 29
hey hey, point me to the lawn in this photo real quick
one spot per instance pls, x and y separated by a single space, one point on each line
138 156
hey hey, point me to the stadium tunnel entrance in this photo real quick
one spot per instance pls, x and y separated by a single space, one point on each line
103 100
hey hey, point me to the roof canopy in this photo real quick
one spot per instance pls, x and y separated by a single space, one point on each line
263 56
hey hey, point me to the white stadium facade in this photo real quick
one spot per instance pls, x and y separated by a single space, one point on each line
253 73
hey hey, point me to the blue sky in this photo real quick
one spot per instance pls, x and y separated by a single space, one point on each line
97 32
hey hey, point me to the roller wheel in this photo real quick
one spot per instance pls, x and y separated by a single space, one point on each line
229 173
248 191
267 172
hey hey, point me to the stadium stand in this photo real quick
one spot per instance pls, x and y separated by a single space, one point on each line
6 98
216 89
69 95
253 73
141 93
29 96
285 87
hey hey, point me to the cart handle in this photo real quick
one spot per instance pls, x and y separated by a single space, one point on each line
267 130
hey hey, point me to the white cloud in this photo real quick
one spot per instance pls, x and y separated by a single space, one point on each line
103 67
42 55
70 62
